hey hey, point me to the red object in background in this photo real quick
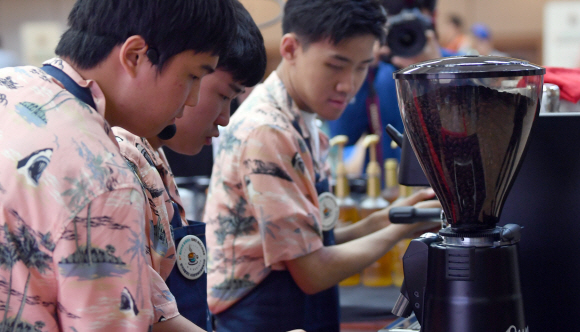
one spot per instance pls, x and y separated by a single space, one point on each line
567 79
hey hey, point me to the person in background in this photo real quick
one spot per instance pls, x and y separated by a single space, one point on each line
481 41
379 89
163 214
74 231
453 36
243 65
272 263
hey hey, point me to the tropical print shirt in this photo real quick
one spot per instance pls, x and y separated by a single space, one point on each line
153 172
262 206
72 236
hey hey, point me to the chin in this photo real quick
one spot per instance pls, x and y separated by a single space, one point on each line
331 114
193 150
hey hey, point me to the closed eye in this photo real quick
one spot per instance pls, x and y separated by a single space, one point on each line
335 67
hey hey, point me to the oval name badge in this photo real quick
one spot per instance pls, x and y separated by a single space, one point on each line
329 210
191 257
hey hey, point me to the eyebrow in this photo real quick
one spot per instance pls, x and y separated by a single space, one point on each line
345 59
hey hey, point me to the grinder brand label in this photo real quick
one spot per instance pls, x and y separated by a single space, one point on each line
191 257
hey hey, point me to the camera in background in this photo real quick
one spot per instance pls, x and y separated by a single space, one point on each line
407 24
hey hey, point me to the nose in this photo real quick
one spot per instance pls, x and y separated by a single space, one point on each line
224 116
193 96
346 84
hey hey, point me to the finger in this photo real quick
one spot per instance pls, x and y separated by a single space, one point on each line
430 35
417 197
428 204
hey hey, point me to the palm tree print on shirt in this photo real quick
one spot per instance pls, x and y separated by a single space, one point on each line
229 141
21 247
88 262
235 224
137 251
35 113
267 168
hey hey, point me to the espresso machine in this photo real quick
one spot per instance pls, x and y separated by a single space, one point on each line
468 119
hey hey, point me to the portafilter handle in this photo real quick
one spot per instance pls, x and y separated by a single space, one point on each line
410 214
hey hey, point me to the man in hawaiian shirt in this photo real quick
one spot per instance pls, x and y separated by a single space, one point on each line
265 233
73 242
243 65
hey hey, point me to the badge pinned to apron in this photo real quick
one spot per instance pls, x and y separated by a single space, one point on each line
329 210
191 257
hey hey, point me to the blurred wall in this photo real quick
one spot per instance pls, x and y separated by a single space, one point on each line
516 24
16 13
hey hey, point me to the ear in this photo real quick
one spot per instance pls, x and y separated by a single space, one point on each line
132 55
289 47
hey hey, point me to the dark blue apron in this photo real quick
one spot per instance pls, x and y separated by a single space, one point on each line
277 304
191 295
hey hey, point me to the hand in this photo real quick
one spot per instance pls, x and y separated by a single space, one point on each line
431 51
421 198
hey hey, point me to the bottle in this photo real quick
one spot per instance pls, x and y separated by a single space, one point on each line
377 274
348 210
401 246
391 191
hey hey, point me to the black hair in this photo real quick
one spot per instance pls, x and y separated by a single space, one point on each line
394 7
316 20
168 26
246 57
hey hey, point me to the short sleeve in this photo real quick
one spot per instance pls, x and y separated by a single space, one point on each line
101 269
277 176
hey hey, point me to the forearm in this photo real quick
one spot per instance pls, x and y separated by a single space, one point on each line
380 219
327 266
176 324
359 229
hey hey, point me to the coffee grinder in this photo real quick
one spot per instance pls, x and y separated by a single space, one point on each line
468 119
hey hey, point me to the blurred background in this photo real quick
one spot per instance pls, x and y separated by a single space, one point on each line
544 32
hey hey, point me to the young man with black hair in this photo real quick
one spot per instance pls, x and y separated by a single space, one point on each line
272 262
74 236
243 64
379 87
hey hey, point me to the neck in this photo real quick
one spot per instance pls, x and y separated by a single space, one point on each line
101 74
284 72
155 142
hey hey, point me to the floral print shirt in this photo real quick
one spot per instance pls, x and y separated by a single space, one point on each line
262 207
72 244
158 184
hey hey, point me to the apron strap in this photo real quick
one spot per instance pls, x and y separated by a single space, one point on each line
83 94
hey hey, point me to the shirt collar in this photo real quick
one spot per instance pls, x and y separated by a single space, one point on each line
285 103
96 92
